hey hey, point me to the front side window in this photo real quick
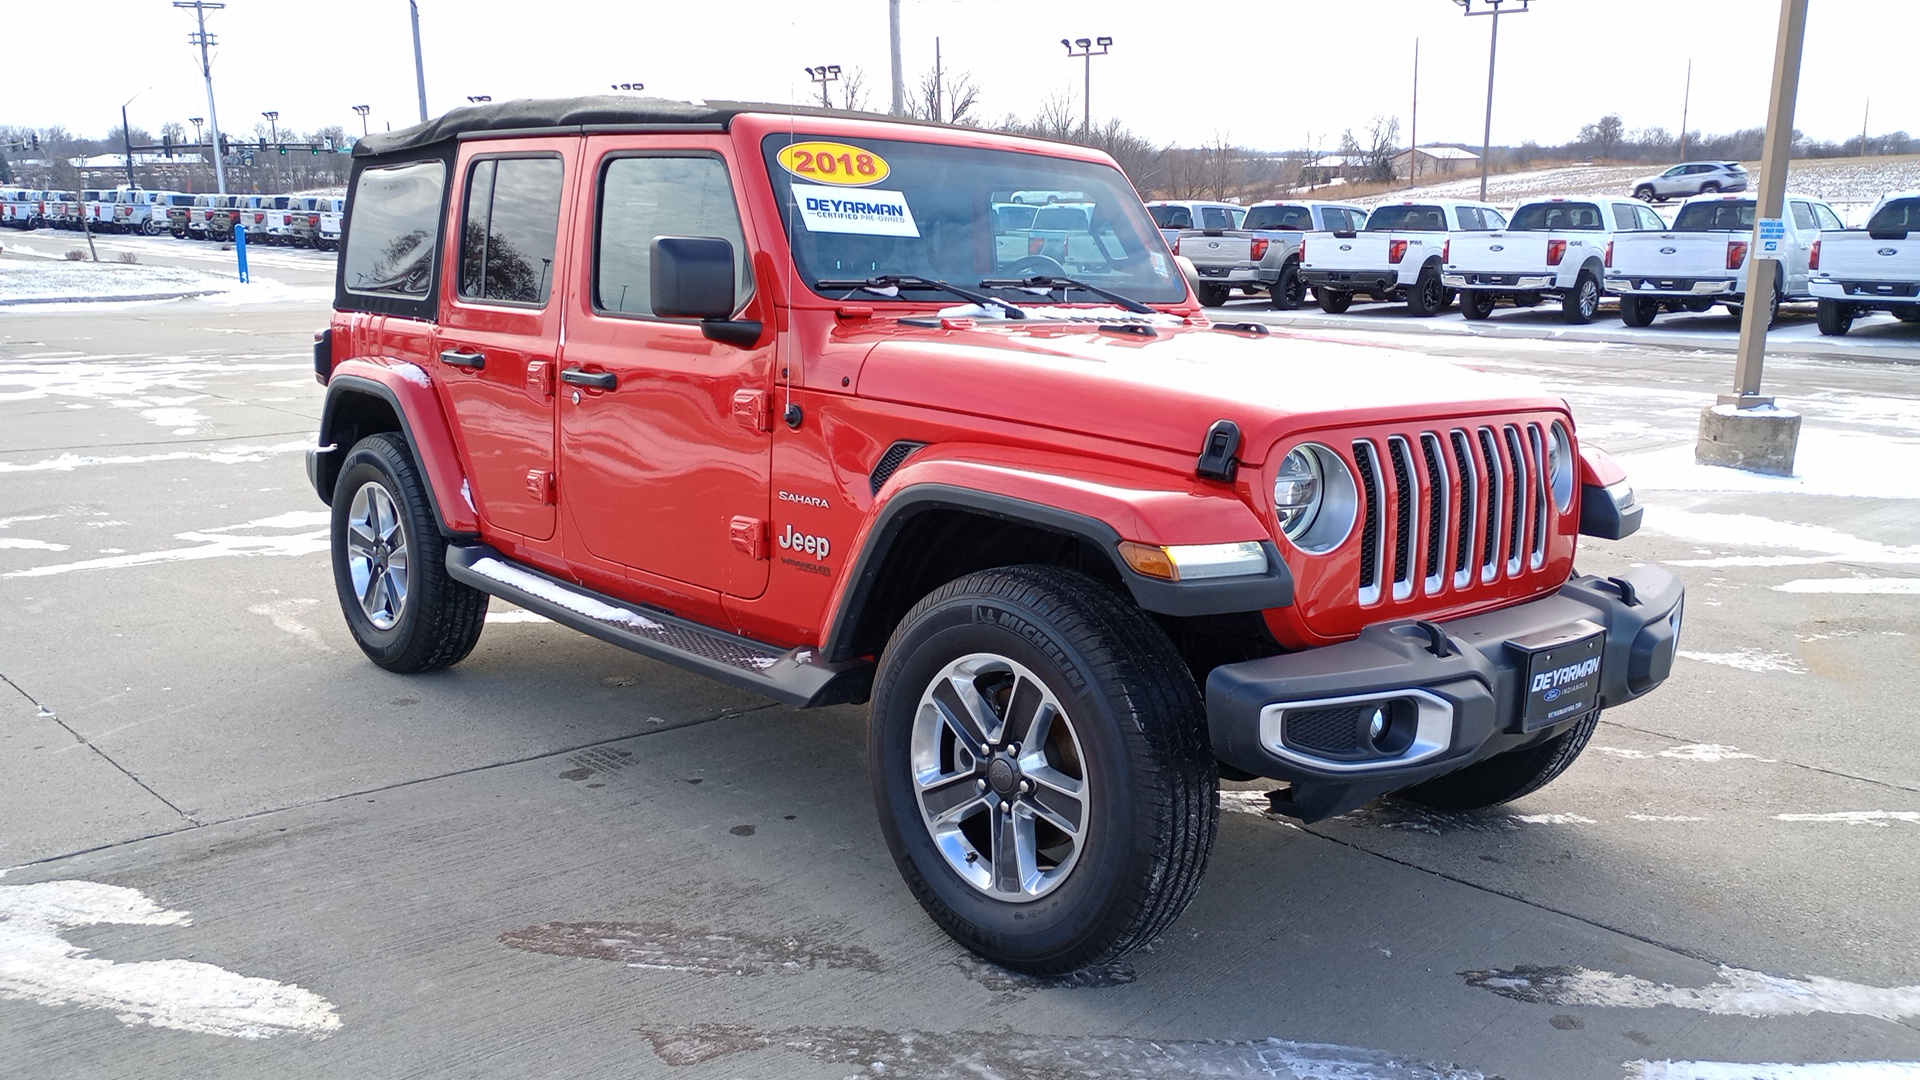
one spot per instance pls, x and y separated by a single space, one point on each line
642 198
510 224
1216 217
396 229
1802 215
1649 220
900 208
1828 219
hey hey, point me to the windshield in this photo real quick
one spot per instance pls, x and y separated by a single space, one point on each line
863 208
1279 217
1408 218
1899 215
1171 217
1541 217
1721 215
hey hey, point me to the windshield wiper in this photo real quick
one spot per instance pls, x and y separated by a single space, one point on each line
882 282
1043 281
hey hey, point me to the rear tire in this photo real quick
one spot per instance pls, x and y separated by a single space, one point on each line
1476 305
390 564
1907 313
1042 852
1288 293
1333 303
1427 297
1504 777
1836 317
1580 305
1638 310
1213 295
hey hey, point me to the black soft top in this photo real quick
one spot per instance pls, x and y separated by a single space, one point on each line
605 110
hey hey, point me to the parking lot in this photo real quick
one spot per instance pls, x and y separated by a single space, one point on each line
239 849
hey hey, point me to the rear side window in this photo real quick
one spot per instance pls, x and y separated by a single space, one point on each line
1802 215
1625 216
510 223
1649 220
1828 219
395 231
642 198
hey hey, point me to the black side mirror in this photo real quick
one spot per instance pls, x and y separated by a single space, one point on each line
692 277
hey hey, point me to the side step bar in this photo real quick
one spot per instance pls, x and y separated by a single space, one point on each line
796 677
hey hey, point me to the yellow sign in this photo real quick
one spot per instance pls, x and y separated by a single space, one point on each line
834 163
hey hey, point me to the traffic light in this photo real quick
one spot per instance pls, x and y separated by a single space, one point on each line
226 145
283 149
36 141
166 145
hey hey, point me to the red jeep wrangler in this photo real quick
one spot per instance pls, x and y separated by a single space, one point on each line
802 401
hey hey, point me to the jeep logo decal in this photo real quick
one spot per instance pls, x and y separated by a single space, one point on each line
812 545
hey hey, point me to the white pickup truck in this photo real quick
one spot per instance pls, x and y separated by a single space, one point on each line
1398 256
21 209
141 211
326 235
1703 259
1263 254
1556 248
1876 268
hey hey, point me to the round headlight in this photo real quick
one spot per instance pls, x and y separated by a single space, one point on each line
1314 498
1296 492
1560 468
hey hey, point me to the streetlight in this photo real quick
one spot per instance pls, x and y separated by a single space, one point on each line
363 110
824 74
196 121
632 87
1086 97
1492 8
126 134
478 98
273 124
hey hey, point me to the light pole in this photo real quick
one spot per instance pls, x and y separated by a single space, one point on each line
479 98
196 121
630 87
1086 95
1492 7
824 74
126 136
363 110
419 67
205 41
273 124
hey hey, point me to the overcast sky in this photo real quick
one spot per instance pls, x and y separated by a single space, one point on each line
1270 74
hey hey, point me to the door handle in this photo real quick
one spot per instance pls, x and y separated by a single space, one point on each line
473 361
599 380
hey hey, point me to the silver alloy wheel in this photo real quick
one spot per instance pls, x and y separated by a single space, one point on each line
377 555
1588 297
1000 776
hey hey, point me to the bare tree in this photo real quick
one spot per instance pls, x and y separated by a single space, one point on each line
1603 135
853 89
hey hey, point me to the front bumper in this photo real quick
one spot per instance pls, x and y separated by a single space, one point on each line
1460 280
1623 285
1460 708
1366 281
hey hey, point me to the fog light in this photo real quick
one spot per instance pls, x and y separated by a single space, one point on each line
1391 726
1377 724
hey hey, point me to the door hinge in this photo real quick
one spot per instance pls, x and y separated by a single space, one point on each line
750 410
540 486
540 380
750 536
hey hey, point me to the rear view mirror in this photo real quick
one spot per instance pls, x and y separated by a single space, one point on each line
693 277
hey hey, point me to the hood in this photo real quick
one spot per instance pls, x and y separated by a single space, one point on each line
1166 390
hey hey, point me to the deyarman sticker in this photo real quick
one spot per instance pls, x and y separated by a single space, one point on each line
865 211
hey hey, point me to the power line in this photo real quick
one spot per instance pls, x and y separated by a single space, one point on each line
205 40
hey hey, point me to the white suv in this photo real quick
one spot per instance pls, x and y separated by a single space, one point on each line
1691 178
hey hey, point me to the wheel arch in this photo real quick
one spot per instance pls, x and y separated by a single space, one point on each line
929 533
365 398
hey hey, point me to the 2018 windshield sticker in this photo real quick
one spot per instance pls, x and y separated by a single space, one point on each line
868 212
834 163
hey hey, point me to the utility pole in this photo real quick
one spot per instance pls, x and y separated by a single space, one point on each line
126 141
1493 51
1742 429
1086 97
1413 137
419 67
899 78
1686 100
938 85
1863 127
204 40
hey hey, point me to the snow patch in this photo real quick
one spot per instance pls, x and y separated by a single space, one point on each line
1750 531
1728 1070
38 965
1738 992
233 455
1879 819
215 543
1853 586
1754 660
1686 752
24 544
1663 817
1826 462
516 617
1554 819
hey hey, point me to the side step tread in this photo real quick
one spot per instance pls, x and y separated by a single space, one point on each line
794 676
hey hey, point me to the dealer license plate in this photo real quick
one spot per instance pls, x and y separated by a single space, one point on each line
1563 673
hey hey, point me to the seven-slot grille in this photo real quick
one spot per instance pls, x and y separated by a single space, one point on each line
1454 507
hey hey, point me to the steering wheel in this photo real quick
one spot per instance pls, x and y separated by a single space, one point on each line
1035 266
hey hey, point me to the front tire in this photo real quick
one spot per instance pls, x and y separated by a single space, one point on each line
1638 310
1835 317
1333 303
1644 193
1477 305
1583 303
1041 768
1213 295
1504 777
390 564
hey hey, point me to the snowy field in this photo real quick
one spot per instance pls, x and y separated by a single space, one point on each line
41 279
1852 185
